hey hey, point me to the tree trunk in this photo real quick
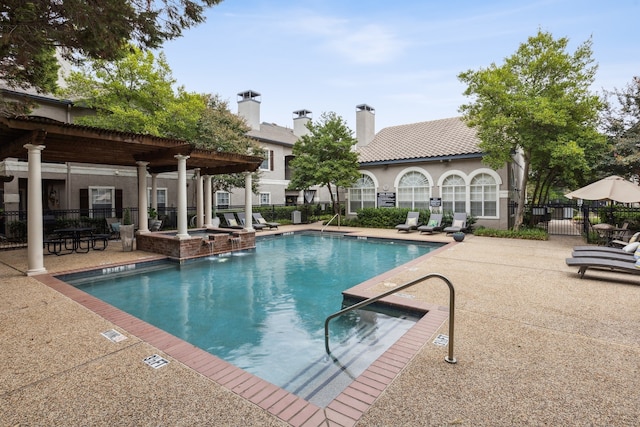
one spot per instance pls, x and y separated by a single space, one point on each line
333 201
522 195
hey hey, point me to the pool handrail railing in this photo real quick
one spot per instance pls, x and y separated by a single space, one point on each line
449 358
329 222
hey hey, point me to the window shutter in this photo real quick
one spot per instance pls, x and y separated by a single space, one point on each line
271 160
84 202
118 202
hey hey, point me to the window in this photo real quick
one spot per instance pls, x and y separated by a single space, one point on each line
161 196
222 199
484 195
267 163
453 194
414 191
101 201
362 194
265 198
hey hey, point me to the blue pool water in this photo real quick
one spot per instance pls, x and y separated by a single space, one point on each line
263 310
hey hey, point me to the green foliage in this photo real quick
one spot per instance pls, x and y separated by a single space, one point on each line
622 124
32 30
324 157
218 129
126 217
523 233
135 94
537 104
387 217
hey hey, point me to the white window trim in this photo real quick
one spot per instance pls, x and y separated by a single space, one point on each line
101 187
498 181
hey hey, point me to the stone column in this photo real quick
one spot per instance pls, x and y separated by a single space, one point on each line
143 216
182 197
199 200
207 201
35 256
248 207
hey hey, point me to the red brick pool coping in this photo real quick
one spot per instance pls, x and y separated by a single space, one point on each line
345 410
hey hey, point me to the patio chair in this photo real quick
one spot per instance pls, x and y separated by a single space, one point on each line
411 223
230 221
255 225
260 220
623 240
584 263
459 223
433 225
113 227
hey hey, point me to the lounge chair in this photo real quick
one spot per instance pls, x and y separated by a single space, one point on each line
459 223
231 221
621 255
260 220
434 224
242 218
411 223
584 263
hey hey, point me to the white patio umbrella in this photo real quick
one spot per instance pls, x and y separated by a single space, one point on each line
612 188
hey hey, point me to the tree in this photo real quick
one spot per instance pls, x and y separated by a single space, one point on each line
324 157
622 125
31 31
135 94
536 104
220 130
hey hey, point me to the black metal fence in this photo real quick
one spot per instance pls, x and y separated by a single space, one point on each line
574 219
13 224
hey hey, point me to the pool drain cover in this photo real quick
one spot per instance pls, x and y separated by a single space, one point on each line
441 340
156 361
113 335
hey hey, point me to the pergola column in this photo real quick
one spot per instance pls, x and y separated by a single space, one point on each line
207 201
248 208
182 197
199 200
35 255
143 216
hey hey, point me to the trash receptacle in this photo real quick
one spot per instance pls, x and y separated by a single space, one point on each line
296 217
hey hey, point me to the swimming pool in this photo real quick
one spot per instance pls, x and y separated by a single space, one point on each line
264 310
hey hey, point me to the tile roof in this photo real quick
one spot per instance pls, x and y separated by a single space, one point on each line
274 133
433 139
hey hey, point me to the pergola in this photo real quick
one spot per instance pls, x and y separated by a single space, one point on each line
38 139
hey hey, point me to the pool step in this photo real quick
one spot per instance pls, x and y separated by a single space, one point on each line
324 379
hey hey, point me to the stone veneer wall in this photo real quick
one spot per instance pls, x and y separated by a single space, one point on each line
219 241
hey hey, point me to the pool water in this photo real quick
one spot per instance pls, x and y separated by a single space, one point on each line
263 310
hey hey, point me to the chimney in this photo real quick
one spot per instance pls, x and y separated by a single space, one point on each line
249 108
300 120
365 124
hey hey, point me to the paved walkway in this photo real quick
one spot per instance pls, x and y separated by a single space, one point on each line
535 346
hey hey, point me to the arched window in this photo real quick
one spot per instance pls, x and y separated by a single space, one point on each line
484 195
362 194
453 194
414 191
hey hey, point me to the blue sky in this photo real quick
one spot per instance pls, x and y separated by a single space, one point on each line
401 58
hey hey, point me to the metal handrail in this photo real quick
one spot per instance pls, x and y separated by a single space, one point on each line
452 302
329 222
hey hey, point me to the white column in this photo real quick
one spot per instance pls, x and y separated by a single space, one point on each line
143 216
199 200
154 191
207 201
182 197
248 209
35 256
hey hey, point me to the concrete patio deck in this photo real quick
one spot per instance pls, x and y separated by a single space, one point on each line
535 345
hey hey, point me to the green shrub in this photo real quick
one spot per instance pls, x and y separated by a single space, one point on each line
526 233
387 217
